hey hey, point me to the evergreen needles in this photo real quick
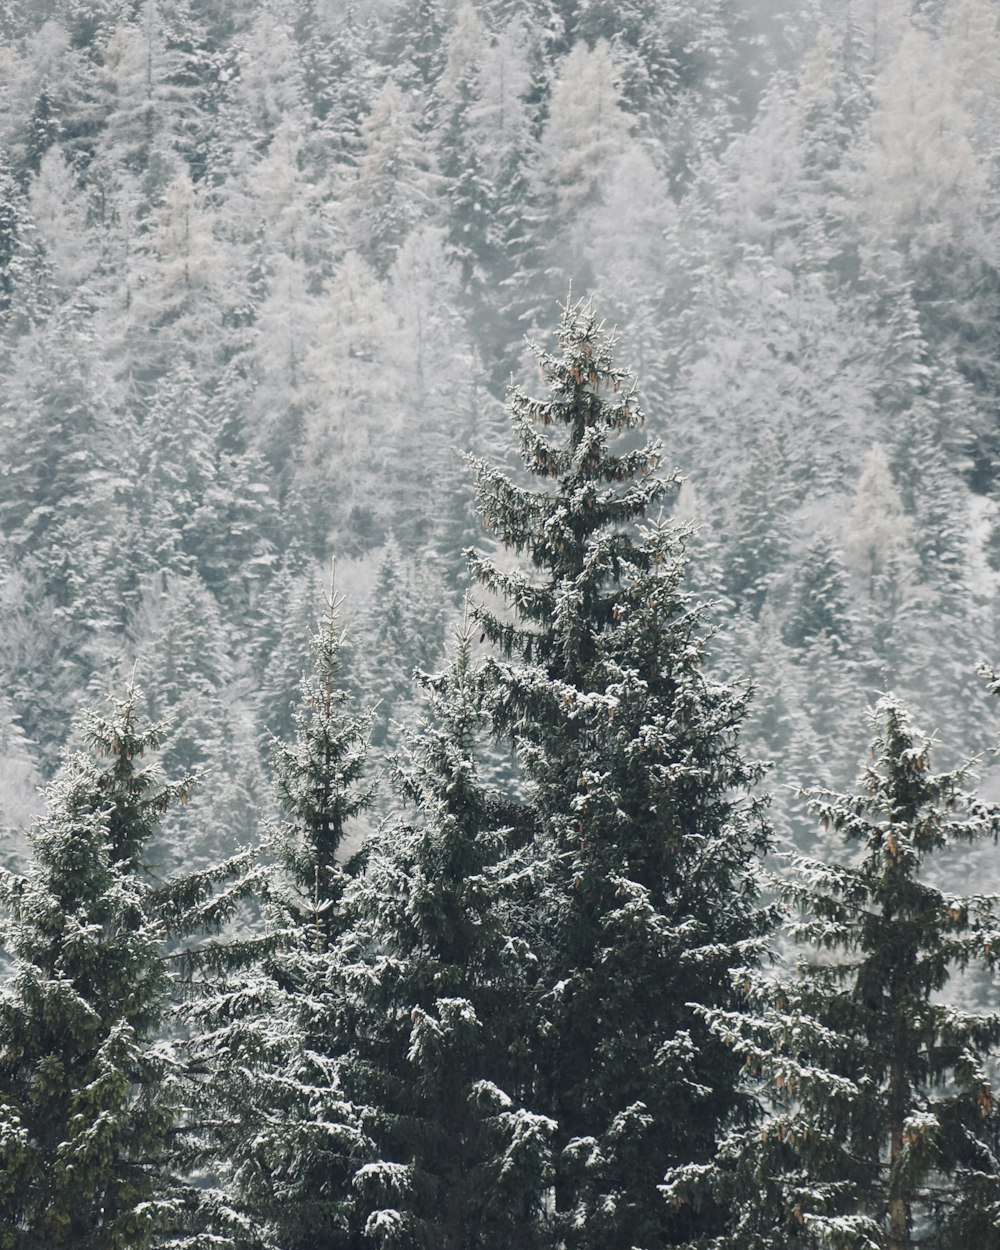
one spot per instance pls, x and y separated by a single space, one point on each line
881 1132
645 847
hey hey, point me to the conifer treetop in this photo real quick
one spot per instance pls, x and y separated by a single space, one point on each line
591 484
320 775
139 796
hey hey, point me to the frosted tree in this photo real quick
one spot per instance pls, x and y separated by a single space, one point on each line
488 147
395 183
208 505
288 199
645 851
285 338
879 545
833 101
440 407
68 448
436 969
59 212
269 91
49 97
182 283
269 1031
820 605
761 344
339 73
354 407
970 48
150 99
930 199
626 253
38 654
878 534
463 46
63 434
583 136
413 40
926 184
13 225
89 1088
881 1128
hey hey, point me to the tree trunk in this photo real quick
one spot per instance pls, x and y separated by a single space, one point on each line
899 1202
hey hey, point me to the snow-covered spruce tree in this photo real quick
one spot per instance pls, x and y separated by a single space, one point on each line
267 1025
645 850
87 1091
881 1131
436 970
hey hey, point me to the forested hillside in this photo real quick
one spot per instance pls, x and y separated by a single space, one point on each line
493 454
265 270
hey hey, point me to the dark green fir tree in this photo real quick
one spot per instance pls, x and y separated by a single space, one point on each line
644 855
437 969
89 1090
881 1131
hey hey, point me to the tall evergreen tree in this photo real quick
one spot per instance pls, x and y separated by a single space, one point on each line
436 969
882 1131
644 850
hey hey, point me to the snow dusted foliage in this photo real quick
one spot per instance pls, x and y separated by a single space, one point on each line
267 1020
265 269
877 1090
926 191
392 191
437 967
644 876
91 1093
585 131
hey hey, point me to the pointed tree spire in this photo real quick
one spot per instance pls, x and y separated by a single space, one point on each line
321 775
643 883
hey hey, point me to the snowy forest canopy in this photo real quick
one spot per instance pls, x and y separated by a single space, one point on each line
266 271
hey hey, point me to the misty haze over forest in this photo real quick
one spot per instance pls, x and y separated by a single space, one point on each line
268 269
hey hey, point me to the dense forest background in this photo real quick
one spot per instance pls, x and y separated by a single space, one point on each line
267 268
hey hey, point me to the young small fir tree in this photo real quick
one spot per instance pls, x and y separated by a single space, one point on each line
269 1032
644 853
881 1132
